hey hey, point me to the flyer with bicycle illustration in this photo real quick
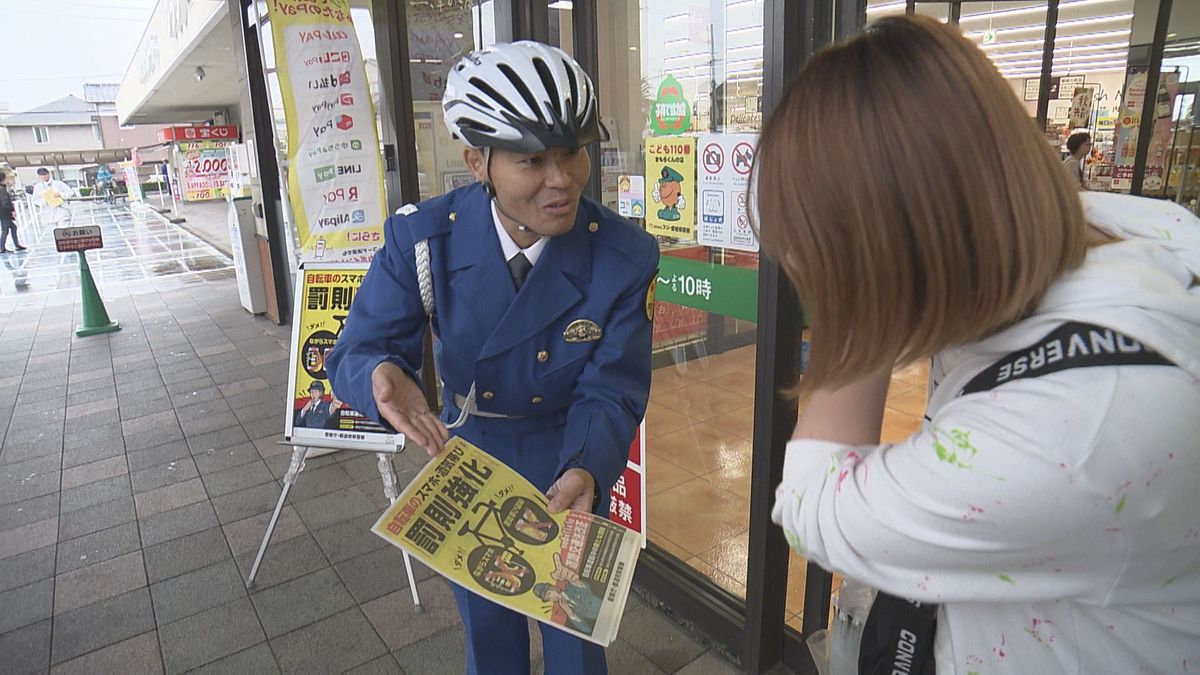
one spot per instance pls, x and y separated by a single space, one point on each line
474 520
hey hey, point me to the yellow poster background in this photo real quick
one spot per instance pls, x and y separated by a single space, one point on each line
671 184
477 522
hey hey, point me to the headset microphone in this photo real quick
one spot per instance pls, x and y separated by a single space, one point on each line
490 191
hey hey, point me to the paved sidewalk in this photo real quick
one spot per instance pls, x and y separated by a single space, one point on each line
137 472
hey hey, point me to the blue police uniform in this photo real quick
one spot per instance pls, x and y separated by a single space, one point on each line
570 398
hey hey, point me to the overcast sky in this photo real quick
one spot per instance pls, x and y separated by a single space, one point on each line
51 47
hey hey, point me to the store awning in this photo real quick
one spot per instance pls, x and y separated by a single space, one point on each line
18 160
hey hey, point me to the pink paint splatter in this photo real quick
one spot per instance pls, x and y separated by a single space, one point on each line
1112 529
924 584
1110 628
1062 465
842 475
1038 625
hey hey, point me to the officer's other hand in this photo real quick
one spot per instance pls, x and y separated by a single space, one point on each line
402 404
573 490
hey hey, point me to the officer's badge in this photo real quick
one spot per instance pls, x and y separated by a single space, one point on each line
583 330
650 297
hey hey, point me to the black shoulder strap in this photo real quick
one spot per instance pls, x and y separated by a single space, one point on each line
1071 345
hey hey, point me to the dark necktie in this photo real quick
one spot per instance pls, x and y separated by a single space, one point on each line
519 266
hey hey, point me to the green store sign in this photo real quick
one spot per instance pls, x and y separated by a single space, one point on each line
720 289
671 114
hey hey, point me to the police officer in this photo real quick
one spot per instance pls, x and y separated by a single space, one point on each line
541 311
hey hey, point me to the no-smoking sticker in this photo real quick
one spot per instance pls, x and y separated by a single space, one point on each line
724 178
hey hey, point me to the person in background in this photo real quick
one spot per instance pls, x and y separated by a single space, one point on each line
1078 147
1048 504
541 303
52 195
8 217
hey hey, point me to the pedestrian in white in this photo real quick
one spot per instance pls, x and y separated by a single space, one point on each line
51 196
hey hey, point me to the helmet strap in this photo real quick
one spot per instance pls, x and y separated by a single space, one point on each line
489 189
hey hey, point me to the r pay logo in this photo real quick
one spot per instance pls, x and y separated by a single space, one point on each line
325 173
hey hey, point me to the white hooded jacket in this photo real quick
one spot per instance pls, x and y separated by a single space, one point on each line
1055 519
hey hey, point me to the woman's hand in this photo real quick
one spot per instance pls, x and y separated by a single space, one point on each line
403 405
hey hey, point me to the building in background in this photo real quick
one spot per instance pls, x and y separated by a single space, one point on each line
71 136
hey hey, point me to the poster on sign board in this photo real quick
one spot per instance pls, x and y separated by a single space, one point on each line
315 416
723 179
671 175
335 176
205 166
1129 124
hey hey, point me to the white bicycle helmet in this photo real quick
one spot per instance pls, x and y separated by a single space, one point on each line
524 97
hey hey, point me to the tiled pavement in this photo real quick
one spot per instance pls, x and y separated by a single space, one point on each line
137 472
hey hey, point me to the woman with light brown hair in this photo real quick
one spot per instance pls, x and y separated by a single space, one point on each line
1049 502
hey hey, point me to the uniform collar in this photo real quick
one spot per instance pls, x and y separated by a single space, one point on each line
510 248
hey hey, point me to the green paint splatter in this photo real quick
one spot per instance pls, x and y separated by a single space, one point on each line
1005 577
1121 504
1170 581
832 464
962 451
972 672
793 540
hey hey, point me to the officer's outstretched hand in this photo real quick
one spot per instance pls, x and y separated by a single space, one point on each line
574 490
403 405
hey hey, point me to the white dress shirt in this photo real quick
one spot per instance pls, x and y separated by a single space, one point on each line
510 247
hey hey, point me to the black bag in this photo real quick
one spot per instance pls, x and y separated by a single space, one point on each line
898 635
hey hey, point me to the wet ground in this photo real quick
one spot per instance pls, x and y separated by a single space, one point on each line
141 249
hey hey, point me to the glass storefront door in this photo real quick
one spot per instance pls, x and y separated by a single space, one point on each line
680 83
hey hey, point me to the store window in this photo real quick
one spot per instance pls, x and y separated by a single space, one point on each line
1182 56
439 34
680 86
41 135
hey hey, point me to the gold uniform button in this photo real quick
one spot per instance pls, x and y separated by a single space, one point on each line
488 395
592 227
537 399
453 215
543 356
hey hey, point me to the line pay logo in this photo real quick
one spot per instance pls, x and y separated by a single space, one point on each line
325 173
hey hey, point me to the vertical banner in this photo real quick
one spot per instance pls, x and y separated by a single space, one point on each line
671 172
335 176
205 167
315 416
723 177
1129 123
132 184
1081 107
628 497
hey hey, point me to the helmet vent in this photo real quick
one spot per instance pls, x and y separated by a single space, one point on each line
543 72
480 102
521 87
486 88
574 86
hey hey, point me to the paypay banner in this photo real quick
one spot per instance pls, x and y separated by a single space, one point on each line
477 522
315 416
335 176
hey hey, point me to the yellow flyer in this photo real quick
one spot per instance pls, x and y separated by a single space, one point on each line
671 175
315 415
478 523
